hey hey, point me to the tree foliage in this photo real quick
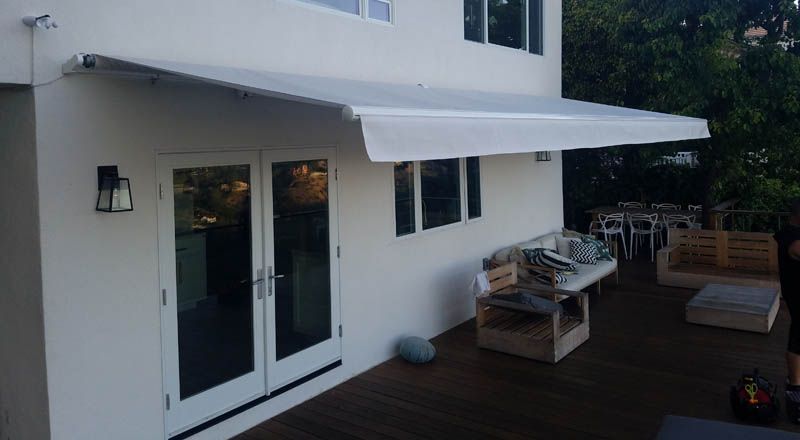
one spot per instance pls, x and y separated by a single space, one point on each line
688 57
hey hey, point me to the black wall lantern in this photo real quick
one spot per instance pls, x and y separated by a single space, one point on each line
543 156
114 191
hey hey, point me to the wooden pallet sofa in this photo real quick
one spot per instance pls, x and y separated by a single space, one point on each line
695 258
586 274
516 319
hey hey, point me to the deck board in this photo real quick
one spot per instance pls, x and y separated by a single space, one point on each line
642 361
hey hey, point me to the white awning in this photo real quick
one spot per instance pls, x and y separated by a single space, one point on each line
414 122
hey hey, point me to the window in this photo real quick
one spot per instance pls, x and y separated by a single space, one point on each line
349 6
380 10
405 220
473 187
435 193
440 182
517 24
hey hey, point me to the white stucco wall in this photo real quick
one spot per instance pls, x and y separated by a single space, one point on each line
426 43
100 275
23 389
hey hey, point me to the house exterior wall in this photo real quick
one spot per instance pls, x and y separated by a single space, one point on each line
100 271
23 387
98 283
424 45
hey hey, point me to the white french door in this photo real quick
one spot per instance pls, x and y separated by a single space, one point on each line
211 255
301 237
249 276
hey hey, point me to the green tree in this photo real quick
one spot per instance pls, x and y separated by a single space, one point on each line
688 57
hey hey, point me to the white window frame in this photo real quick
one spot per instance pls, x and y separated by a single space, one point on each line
418 228
363 10
485 26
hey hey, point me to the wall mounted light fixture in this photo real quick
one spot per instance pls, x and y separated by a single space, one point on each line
543 156
40 21
114 192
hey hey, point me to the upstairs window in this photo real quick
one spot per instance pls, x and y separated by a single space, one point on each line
379 10
516 24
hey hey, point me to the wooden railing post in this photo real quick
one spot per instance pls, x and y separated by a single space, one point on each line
722 249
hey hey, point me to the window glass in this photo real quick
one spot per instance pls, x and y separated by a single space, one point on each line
473 20
537 26
506 23
380 10
441 192
351 6
404 198
473 187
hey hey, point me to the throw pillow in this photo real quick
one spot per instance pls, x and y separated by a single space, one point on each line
603 252
549 258
544 278
585 253
569 233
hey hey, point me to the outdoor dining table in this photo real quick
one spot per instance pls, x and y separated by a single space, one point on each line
595 212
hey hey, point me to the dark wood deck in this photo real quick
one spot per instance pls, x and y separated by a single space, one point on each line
642 362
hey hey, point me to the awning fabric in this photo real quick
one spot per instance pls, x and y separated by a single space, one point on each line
414 122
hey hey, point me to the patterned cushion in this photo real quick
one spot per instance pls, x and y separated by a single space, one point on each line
603 252
585 253
544 278
549 258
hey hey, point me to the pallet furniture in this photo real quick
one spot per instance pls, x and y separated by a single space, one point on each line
696 257
587 274
738 307
536 328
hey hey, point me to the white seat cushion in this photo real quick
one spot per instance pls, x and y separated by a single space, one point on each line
588 274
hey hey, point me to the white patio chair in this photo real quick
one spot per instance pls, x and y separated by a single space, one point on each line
678 220
642 225
671 206
695 207
613 224
630 204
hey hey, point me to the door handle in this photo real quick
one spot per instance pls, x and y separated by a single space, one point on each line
259 282
271 277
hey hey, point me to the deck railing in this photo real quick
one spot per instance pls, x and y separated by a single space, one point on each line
725 217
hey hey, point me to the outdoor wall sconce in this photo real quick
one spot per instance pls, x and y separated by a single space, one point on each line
543 156
114 191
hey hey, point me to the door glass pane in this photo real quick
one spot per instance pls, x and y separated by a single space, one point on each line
404 198
473 20
213 270
507 19
302 255
441 192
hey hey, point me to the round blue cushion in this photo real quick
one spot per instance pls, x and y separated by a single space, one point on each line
417 350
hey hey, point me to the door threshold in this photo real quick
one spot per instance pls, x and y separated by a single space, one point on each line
255 402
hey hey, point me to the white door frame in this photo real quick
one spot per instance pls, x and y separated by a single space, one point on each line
298 365
180 416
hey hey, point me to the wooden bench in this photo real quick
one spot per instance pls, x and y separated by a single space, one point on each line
695 258
536 331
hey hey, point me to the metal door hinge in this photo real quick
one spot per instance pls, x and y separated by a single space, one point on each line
340 330
164 297
160 191
338 252
336 173
167 402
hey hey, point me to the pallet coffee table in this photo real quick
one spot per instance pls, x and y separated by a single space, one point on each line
738 307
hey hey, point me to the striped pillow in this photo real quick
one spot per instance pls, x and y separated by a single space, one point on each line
584 253
544 278
549 258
